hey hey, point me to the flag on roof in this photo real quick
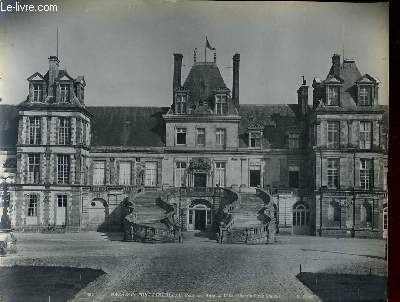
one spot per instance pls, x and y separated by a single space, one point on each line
208 45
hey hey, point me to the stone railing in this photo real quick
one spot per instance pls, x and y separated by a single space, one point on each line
230 200
264 233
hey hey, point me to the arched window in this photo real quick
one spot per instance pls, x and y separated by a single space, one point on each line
301 215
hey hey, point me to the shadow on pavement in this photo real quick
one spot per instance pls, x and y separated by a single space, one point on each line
44 283
204 234
342 253
113 236
345 287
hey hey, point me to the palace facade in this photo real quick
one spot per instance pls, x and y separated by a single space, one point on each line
76 166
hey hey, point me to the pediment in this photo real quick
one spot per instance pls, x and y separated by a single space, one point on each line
332 79
367 79
36 77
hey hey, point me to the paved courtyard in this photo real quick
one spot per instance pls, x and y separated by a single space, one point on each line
198 268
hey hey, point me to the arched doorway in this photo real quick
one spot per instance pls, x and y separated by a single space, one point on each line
97 212
301 219
199 215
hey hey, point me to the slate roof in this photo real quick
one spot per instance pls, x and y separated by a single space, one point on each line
128 126
349 74
8 126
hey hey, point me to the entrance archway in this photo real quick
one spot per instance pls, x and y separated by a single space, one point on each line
199 216
97 212
301 219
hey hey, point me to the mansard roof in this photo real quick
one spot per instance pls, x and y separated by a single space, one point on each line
203 80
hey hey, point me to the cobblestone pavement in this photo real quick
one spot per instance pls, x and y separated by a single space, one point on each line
199 267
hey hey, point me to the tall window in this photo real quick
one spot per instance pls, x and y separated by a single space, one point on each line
333 96
62 201
64 132
181 136
366 213
293 141
365 135
34 130
366 173
34 168
180 173
99 172
334 211
201 137
150 174
364 97
63 168
32 206
220 104
333 173
220 136
255 139
220 174
125 173
37 92
64 93
181 101
301 215
293 176
333 135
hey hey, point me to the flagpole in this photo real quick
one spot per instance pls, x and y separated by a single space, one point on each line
205 54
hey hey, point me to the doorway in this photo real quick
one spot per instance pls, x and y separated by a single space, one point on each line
61 213
255 178
200 220
200 180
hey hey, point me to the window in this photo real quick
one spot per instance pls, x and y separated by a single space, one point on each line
150 174
99 172
365 135
333 96
32 206
220 136
34 168
300 215
37 92
220 174
255 139
63 168
125 171
201 136
62 201
220 104
366 174
293 141
181 104
366 213
333 135
364 97
34 130
180 174
64 131
181 136
293 177
64 93
333 173
334 211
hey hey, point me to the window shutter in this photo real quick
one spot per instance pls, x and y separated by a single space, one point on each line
28 127
57 129
375 134
55 161
324 133
357 173
78 131
356 134
376 173
324 171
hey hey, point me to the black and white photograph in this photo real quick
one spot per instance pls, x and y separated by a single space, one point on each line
173 150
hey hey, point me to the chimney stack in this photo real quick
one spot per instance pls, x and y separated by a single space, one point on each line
53 69
336 64
177 71
235 84
302 98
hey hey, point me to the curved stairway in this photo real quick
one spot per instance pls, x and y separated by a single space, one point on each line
246 214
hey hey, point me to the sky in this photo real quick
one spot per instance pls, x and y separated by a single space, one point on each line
125 48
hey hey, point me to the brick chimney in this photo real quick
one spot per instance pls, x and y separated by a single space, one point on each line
336 64
177 71
235 84
302 98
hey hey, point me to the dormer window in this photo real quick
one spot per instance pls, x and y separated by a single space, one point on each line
181 102
64 93
37 92
364 97
220 104
255 139
333 96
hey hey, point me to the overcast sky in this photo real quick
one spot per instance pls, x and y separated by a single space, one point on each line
124 48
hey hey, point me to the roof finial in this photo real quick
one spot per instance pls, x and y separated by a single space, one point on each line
304 80
215 56
195 55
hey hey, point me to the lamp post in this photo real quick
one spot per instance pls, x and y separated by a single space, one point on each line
179 211
5 223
